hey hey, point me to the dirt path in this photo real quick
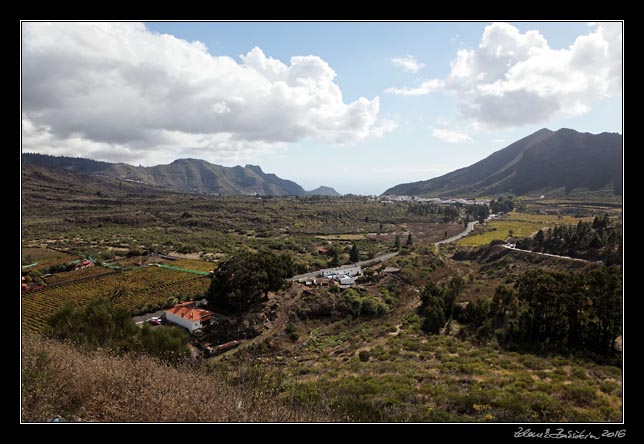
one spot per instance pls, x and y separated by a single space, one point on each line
278 325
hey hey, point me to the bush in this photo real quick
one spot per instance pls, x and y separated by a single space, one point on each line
187 248
364 355
364 305
135 252
580 394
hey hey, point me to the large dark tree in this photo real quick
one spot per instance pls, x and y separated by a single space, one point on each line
244 279
437 304
354 255
605 291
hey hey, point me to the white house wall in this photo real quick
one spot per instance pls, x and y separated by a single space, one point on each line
185 323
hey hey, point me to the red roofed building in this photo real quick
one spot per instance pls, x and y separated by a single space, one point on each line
85 264
187 316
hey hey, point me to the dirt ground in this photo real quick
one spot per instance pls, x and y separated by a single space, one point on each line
428 233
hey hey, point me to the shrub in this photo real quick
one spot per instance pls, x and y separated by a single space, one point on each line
364 355
580 394
135 252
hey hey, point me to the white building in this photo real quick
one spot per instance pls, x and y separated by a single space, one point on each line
349 271
346 280
188 317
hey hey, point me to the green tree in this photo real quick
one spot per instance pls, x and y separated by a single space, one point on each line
433 318
432 308
397 243
605 289
354 255
244 279
168 343
98 324
451 293
335 258
409 240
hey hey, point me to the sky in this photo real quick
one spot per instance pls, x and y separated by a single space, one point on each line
359 106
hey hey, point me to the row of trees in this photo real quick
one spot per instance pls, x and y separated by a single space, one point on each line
553 311
599 240
476 212
444 213
100 324
408 242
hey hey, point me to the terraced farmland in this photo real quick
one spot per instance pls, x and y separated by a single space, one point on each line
134 289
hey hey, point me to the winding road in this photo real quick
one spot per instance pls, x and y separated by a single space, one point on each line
468 230
387 256
280 321
375 260
547 254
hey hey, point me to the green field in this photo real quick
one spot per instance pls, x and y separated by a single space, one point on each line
521 224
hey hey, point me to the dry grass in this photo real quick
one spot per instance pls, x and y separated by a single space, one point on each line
58 379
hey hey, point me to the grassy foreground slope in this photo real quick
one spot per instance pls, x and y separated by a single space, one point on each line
58 379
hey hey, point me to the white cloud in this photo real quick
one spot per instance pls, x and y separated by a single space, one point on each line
424 88
450 136
408 63
514 79
124 92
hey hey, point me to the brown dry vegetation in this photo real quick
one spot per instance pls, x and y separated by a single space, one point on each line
58 379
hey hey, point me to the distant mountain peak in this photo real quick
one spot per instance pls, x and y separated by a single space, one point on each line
187 160
323 191
544 160
186 174
255 168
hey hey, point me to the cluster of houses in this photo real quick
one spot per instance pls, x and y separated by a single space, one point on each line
436 200
343 275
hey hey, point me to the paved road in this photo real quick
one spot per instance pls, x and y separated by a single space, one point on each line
387 256
141 319
468 230
375 260
547 254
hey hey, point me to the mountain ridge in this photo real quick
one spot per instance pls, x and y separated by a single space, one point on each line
186 174
544 160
